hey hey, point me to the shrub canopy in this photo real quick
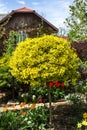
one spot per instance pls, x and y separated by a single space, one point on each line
44 59
5 76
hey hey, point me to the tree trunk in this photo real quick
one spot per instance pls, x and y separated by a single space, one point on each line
50 107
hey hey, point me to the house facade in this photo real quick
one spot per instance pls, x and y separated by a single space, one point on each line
27 22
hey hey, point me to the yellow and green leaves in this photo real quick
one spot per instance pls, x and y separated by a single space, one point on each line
44 59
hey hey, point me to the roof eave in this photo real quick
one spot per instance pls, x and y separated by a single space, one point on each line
6 17
30 11
55 28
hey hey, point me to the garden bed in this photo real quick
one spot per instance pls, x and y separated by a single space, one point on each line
65 115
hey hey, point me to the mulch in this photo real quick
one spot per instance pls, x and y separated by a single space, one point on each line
66 116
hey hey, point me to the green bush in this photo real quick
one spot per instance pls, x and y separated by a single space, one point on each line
10 121
5 75
32 119
37 118
41 92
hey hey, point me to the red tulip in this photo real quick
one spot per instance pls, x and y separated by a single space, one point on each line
62 84
40 100
58 84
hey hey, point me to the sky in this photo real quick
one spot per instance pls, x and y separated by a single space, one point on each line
55 11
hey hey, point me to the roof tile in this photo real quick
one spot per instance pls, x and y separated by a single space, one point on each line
24 9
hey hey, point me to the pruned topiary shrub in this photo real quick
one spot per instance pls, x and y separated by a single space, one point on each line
44 59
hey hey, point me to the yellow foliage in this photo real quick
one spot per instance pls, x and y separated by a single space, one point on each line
44 59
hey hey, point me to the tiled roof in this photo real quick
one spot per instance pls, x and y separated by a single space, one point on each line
24 9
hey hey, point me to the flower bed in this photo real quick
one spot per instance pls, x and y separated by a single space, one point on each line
33 118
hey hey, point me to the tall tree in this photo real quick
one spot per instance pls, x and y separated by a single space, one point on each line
77 22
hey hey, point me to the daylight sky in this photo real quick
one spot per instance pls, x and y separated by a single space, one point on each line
55 11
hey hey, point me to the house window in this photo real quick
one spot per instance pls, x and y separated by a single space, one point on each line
22 35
